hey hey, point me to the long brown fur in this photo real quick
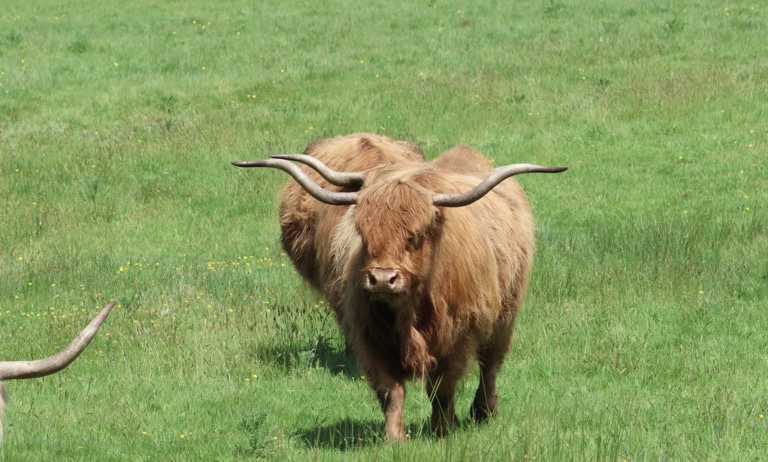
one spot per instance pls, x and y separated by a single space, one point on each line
465 269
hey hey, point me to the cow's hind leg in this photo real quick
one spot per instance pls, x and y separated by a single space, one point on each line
490 358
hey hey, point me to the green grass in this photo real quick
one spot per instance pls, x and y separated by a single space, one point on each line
643 334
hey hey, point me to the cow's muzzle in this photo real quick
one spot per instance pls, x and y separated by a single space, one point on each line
384 281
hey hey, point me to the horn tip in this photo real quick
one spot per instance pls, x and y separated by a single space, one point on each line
248 163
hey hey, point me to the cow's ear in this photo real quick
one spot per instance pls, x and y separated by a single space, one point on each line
439 213
439 216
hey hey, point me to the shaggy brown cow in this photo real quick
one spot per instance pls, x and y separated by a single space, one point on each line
423 274
10 370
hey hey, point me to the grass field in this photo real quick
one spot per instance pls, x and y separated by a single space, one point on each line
644 333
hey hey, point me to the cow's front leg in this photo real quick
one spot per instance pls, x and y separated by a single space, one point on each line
441 393
486 400
392 399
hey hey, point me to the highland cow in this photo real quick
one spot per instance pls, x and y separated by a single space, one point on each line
425 264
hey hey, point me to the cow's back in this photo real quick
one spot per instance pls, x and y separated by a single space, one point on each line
496 232
463 159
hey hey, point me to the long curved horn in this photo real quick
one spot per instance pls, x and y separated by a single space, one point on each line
499 175
10 370
330 175
314 190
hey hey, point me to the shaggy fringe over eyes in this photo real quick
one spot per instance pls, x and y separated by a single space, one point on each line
392 212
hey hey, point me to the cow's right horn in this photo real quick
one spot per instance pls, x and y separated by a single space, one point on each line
314 190
499 175
10 370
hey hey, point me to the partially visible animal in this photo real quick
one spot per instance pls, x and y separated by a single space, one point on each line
426 265
10 370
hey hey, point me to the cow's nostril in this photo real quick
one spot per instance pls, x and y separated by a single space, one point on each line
372 280
393 279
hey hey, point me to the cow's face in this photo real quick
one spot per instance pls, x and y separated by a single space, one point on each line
398 226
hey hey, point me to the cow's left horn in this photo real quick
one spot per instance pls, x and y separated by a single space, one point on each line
499 175
330 175
30 369
314 190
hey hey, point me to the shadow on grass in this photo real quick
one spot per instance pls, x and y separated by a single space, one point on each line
350 435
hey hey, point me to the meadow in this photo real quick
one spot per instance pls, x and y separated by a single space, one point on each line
643 336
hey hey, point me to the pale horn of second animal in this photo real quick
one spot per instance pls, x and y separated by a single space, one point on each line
12 370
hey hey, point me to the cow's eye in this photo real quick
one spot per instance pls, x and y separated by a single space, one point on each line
412 243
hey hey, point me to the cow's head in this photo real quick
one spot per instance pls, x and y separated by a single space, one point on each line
10 370
398 224
397 217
